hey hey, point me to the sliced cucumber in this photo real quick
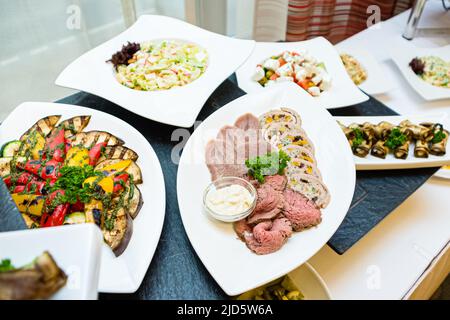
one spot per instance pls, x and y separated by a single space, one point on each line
75 218
10 148
5 167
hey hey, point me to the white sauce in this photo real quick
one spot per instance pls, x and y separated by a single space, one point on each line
230 200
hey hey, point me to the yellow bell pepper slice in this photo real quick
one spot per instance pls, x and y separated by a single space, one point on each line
106 183
77 157
29 203
116 167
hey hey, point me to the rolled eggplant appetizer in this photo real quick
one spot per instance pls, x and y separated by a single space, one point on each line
379 149
401 152
419 131
362 149
421 149
382 130
439 148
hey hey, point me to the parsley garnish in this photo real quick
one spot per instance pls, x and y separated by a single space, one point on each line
359 137
438 135
270 164
6 265
395 139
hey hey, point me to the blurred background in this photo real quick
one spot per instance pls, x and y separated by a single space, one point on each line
41 37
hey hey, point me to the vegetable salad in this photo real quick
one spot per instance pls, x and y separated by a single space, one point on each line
163 65
298 67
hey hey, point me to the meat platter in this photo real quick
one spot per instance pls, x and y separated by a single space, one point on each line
290 213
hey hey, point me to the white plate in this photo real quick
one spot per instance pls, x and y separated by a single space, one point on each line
124 273
343 91
373 163
310 283
177 106
402 56
76 249
443 173
235 268
376 82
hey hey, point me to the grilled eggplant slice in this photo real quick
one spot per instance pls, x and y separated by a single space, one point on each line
74 125
133 201
118 152
40 280
5 164
132 169
117 228
43 126
90 138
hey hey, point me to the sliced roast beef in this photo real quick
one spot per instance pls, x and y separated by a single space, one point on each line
277 182
268 236
269 204
241 227
302 212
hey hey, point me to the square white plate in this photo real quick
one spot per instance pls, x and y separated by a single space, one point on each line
177 106
123 273
343 91
403 55
373 163
235 268
76 249
376 82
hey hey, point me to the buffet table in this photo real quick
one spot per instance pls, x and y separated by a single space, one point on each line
406 255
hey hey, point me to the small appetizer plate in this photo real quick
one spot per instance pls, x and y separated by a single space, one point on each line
76 249
390 162
402 56
376 82
236 268
121 274
443 173
310 283
177 106
343 92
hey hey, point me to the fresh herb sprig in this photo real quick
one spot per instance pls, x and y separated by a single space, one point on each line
6 265
267 165
395 139
359 137
439 135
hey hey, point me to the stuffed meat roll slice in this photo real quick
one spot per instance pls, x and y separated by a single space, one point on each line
295 151
300 166
311 187
285 115
297 137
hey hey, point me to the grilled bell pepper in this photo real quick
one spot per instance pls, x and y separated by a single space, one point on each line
119 181
77 157
57 217
50 170
95 153
56 145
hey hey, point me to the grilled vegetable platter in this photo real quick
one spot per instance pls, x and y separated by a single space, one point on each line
394 142
58 173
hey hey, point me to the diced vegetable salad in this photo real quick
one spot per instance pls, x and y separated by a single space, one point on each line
163 65
298 67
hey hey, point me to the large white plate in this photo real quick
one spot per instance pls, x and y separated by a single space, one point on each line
343 91
373 163
177 106
124 273
402 56
376 82
76 249
235 268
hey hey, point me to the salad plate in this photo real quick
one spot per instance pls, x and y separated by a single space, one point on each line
91 72
122 273
81 264
402 56
342 91
376 81
371 162
236 268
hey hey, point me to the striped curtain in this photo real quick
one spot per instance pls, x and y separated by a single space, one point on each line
335 20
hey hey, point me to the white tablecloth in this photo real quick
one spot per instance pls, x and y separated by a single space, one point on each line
391 257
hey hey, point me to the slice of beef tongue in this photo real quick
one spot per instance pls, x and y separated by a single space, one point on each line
302 212
268 236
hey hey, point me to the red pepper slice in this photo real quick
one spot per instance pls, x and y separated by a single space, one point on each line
50 170
38 187
95 152
119 181
22 179
77 206
18 189
57 217
56 145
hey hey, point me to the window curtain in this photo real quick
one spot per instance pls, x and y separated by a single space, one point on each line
336 20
